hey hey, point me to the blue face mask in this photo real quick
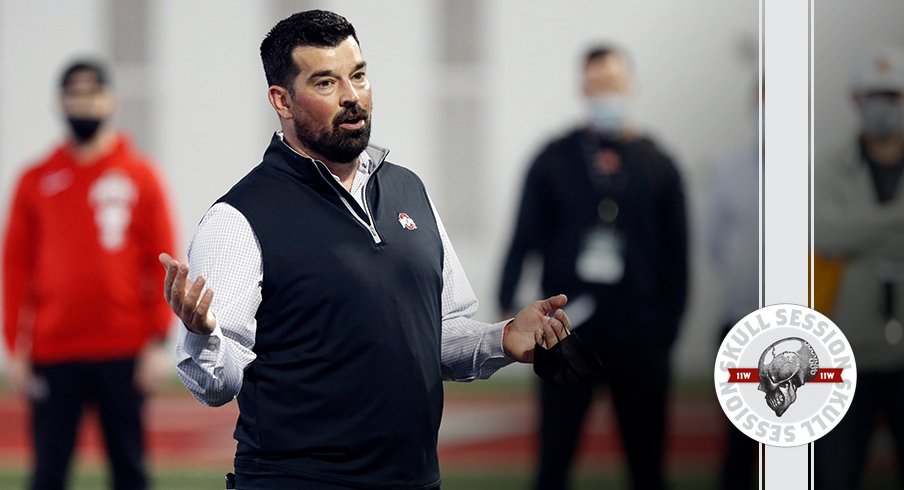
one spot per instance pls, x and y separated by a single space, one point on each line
882 117
608 113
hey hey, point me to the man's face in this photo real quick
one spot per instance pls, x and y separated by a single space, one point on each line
331 101
606 76
85 98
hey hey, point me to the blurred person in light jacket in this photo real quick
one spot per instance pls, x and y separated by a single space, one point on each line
859 222
732 241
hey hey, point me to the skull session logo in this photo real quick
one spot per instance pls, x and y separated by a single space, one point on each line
782 373
785 375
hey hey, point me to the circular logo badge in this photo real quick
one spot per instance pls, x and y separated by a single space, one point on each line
785 375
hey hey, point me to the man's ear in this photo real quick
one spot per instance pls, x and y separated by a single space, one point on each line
281 100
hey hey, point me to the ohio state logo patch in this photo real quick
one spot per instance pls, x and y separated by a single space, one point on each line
407 222
785 375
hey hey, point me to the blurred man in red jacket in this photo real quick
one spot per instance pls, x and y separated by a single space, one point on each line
83 234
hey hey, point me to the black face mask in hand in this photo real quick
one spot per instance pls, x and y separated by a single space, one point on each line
83 128
567 363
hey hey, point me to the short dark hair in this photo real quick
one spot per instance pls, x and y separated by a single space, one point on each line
96 67
319 28
601 51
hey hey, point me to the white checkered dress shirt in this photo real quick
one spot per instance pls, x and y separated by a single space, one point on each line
226 253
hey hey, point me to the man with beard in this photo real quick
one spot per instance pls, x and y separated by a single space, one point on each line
340 304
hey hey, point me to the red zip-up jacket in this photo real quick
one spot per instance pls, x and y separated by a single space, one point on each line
81 280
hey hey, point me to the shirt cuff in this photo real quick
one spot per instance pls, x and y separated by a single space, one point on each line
201 346
495 357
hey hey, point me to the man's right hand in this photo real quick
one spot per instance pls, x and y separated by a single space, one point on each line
18 373
185 298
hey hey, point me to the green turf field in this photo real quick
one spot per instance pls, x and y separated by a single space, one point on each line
93 479
457 480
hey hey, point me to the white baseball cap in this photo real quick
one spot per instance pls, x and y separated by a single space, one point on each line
882 69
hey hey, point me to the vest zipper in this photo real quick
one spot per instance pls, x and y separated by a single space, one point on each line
369 227
373 225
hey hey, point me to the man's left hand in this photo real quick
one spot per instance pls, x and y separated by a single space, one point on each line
534 326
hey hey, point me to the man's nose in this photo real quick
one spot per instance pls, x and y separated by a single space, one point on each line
349 96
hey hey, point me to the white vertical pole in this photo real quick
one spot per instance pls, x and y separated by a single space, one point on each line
785 198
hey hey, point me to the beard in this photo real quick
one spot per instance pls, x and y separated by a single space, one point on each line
337 145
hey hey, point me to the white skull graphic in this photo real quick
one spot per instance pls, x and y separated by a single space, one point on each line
113 196
784 367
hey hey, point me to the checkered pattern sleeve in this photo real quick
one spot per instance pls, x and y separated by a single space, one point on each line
226 253
470 349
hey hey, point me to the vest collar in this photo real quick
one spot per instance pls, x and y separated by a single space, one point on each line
315 173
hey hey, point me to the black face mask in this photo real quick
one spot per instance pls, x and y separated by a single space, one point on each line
83 128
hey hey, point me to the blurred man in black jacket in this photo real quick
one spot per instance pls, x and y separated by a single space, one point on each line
604 208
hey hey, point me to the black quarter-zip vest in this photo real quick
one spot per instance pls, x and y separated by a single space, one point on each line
346 388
